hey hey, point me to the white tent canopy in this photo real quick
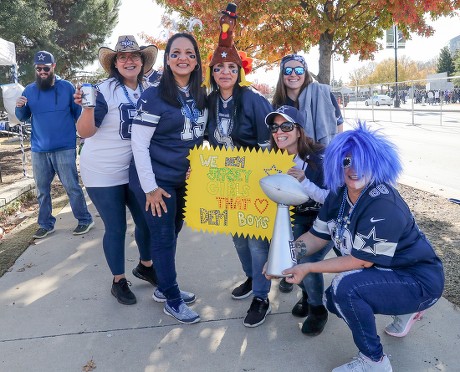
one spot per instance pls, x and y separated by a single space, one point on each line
7 53
10 91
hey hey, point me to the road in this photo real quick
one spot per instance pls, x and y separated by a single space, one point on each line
430 149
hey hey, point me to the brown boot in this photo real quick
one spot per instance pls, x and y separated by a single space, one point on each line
316 321
300 309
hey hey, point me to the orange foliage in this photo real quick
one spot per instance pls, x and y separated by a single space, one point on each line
267 30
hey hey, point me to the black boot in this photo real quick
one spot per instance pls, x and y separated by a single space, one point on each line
284 286
316 321
300 309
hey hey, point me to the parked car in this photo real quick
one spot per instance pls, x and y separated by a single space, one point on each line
379 99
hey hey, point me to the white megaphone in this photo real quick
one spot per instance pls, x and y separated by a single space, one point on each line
284 190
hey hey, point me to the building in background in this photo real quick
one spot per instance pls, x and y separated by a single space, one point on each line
454 45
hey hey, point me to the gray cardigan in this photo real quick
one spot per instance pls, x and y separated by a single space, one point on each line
318 112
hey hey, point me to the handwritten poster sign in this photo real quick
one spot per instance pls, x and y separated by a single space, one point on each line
223 191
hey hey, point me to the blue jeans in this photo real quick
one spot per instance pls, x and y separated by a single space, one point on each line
355 296
253 254
45 166
313 283
111 203
164 231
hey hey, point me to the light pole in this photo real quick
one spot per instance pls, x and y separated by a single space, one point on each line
397 102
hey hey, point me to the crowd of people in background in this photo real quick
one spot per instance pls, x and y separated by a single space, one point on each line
436 97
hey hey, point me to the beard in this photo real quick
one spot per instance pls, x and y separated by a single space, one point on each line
45 84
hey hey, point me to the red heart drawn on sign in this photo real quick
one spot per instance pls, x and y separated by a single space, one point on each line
261 205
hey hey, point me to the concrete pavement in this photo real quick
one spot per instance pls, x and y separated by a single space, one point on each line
57 314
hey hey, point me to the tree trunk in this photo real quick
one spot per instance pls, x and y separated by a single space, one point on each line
325 53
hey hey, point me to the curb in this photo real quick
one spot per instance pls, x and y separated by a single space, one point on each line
15 190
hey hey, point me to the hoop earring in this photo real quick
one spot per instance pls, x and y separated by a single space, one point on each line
197 68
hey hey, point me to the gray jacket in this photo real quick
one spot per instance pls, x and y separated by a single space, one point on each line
318 112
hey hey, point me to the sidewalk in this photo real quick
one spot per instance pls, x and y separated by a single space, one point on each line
57 314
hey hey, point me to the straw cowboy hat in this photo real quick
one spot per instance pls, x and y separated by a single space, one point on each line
127 44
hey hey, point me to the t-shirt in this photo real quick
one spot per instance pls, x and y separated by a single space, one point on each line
177 130
382 230
248 129
105 157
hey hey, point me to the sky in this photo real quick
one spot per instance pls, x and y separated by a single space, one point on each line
138 16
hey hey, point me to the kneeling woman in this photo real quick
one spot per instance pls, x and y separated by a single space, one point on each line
387 265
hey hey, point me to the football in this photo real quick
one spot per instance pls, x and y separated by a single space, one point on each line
283 189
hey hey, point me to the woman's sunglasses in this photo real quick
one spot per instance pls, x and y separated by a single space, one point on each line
346 162
285 127
298 70
46 69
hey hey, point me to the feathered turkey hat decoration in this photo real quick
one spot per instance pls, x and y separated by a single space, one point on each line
226 50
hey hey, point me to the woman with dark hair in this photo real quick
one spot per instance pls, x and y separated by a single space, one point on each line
237 120
387 265
288 134
106 155
171 120
315 102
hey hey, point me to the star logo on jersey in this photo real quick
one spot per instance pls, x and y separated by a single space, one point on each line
272 170
127 43
368 242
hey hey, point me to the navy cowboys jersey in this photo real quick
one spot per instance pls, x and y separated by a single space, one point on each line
249 130
175 134
383 230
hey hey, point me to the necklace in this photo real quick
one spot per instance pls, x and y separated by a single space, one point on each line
224 125
192 114
225 101
343 221
141 88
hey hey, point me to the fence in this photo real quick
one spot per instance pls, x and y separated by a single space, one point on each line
418 102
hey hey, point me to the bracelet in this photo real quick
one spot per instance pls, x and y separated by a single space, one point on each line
152 191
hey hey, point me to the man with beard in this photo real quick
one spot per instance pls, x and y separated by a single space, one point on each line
49 103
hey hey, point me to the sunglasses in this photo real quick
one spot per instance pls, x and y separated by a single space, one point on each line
46 69
298 70
346 162
124 58
285 127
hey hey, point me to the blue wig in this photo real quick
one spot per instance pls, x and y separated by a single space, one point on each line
373 156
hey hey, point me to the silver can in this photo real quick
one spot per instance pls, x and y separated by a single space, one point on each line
88 95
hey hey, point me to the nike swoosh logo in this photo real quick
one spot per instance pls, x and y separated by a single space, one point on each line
373 220
143 100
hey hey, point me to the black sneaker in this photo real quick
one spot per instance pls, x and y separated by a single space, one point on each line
83 229
243 290
122 292
316 321
285 287
257 312
146 273
42 232
300 309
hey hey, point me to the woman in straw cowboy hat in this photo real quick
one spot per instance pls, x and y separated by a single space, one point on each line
170 121
106 155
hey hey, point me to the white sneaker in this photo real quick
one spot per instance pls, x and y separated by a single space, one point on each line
402 324
362 363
